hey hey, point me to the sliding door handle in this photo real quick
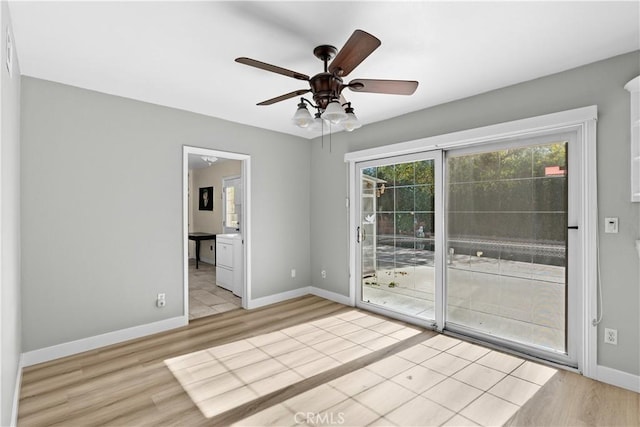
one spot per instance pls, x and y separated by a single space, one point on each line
572 227
358 235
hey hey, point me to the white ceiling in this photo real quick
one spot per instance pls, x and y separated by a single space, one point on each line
181 54
196 161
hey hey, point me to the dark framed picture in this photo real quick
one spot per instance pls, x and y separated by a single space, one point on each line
206 198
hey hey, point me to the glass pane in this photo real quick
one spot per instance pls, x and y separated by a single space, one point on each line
507 239
397 239
368 222
230 206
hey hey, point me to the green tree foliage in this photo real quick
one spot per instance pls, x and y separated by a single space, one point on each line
499 195
508 194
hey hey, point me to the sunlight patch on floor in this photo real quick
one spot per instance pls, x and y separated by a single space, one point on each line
224 377
441 381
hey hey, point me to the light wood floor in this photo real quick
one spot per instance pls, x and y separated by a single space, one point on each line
131 384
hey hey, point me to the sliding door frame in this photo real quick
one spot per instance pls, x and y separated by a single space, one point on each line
437 157
582 120
573 269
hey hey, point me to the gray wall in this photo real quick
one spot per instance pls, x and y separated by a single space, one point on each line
102 209
10 345
601 83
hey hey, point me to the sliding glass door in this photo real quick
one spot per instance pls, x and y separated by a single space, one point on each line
399 234
507 243
476 240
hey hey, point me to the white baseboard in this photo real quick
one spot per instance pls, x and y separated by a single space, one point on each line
74 347
272 299
85 344
618 378
295 293
332 296
16 394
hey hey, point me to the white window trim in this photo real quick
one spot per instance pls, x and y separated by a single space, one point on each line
583 119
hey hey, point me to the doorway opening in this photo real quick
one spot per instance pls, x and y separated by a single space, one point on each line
216 256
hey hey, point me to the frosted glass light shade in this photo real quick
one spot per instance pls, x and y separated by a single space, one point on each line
318 123
351 122
302 118
334 113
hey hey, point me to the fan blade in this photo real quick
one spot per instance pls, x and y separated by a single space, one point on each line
272 68
393 87
355 50
285 96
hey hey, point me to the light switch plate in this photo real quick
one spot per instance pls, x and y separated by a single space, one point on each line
611 225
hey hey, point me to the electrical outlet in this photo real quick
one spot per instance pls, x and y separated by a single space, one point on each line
324 274
293 273
161 300
611 336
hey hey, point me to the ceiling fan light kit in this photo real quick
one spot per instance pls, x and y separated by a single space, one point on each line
302 118
318 123
351 122
209 159
326 87
334 113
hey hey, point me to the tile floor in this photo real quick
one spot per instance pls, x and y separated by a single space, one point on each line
440 381
205 297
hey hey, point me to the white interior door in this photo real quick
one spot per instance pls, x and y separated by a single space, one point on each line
232 204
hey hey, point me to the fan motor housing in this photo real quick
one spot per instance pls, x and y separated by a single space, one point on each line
325 88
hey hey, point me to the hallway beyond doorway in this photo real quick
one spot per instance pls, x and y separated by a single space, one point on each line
205 297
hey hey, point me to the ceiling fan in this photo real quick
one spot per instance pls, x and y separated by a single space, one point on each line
326 87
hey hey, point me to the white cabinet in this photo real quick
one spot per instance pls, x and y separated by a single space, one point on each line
634 88
224 252
229 266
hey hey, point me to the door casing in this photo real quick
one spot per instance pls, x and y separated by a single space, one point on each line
246 215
